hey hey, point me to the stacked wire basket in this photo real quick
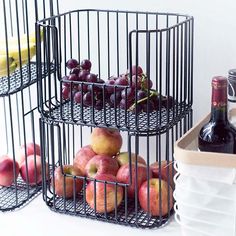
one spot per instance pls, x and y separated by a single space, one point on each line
115 42
18 105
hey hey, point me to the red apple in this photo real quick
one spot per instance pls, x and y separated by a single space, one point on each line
82 157
154 197
101 164
34 171
123 158
112 193
106 141
123 176
70 182
7 170
165 171
31 149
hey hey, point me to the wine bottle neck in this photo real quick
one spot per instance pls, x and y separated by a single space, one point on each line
219 101
219 114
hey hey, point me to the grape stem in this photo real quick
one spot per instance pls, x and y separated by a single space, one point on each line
152 93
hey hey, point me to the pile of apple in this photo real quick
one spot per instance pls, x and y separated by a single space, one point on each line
103 161
10 169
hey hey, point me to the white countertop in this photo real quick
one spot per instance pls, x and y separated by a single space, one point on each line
36 219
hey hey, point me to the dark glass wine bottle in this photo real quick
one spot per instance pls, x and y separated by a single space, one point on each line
218 135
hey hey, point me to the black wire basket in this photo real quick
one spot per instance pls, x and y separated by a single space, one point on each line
129 72
18 105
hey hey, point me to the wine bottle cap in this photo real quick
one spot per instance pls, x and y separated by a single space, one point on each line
219 91
219 82
232 85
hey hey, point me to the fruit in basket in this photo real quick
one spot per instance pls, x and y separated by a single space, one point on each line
136 70
123 158
27 150
34 167
3 62
86 64
165 172
65 175
7 165
104 202
27 48
12 68
123 176
106 141
101 164
25 51
75 71
82 157
158 195
71 64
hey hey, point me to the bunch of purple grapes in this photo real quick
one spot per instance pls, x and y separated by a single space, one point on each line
90 91
134 94
123 90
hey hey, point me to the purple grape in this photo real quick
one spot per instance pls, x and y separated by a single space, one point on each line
167 101
92 78
83 75
78 97
115 97
112 78
87 99
100 81
65 83
73 77
128 94
126 104
148 106
145 83
94 88
98 104
65 93
121 81
110 86
133 82
75 71
83 87
71 63
156 101
141 94
136 70
86 64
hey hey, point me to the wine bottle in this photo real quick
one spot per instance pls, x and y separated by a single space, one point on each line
232 95
218 135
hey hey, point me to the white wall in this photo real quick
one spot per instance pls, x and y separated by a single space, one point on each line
215 34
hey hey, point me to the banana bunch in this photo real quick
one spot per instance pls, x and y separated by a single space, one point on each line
27 52
3 65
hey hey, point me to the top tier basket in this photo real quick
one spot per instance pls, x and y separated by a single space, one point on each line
161 43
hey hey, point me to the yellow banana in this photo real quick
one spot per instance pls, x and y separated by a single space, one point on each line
23 39
12 68
22 63
3 61
14 52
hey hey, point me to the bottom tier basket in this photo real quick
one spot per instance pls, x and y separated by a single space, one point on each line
60 143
